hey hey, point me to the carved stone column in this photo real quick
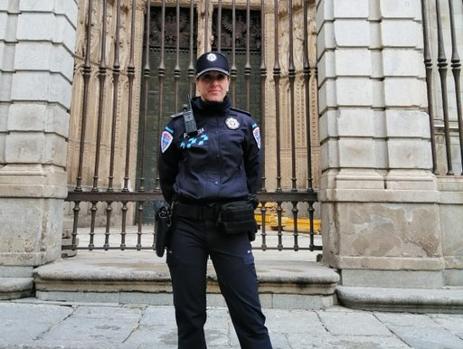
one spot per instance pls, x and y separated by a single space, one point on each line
37 72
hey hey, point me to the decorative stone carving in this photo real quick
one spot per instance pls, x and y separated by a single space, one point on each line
170 28
76 109
240 29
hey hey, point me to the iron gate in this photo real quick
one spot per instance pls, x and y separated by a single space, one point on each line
282 92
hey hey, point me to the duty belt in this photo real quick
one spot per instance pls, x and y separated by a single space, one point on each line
197 212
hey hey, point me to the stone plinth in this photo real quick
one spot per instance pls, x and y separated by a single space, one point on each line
451 211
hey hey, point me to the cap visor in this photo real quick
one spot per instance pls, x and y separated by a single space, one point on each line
202 72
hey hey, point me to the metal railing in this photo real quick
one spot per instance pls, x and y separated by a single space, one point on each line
161 22
442 34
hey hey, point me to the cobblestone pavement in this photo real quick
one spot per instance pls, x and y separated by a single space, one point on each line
31 323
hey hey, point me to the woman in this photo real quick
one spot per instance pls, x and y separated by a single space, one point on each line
210 171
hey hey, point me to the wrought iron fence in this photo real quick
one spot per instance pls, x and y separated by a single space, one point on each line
170 33
442 32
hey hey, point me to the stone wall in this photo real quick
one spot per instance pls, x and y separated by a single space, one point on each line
37 39
379 196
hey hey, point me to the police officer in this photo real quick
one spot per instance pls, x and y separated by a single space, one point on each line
200 171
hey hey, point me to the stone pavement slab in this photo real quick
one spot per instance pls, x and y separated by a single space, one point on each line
344 342
35 324
426 331
355 323
453 323
364 342
427 338
24 322
297 322
92 325
149 337
401 319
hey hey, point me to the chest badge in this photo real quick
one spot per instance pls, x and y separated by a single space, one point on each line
232 123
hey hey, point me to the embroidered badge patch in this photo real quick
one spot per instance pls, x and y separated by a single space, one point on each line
211 57
256 133
232 123
166 140
191 142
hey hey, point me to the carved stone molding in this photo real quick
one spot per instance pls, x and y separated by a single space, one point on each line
170 28
240 30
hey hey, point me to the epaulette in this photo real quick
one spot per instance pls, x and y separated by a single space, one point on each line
240 111
173 116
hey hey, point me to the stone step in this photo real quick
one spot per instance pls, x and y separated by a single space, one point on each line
127 278
12 288
442 300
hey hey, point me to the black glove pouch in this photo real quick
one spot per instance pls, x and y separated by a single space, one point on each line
237 217
163 224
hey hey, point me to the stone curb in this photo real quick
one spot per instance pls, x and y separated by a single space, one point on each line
446 300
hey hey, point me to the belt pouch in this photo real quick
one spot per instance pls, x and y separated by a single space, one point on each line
237 217
163 229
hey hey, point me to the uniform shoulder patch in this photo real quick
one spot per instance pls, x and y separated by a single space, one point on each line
256 134
236 110
166 140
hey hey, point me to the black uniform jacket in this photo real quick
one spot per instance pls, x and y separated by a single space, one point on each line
220 163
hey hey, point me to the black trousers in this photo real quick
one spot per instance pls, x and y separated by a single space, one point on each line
191 244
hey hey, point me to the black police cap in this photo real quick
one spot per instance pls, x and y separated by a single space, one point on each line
212 61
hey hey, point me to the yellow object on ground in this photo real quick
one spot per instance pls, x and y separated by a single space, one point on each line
303 225
287 223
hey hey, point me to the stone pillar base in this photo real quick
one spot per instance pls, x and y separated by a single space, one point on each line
392 278
14 288
36 87
33 237
15 282
34 228
385 235
400 299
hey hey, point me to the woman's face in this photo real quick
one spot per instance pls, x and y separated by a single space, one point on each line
213 86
